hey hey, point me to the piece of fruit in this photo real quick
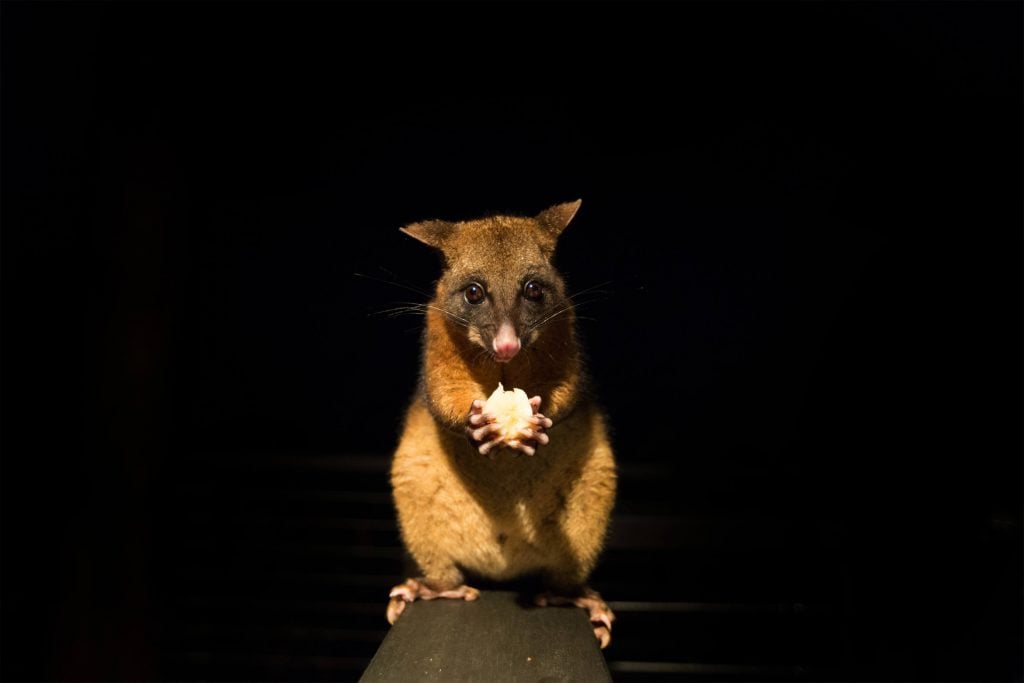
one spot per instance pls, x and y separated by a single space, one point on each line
512 411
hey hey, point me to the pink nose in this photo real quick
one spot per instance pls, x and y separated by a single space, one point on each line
506 343
507 350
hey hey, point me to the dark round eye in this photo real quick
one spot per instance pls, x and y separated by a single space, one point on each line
474 293
533 291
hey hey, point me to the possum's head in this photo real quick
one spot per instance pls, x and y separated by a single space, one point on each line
498 280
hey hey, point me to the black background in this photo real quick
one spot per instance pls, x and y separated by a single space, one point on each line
803 223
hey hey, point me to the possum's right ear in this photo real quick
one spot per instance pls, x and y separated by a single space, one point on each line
432 233
555 219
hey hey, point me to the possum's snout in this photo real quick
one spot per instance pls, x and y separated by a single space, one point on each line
506 343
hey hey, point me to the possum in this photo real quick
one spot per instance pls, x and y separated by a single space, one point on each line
473 497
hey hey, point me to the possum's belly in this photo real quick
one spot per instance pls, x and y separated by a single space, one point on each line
500 518
508 545
446 520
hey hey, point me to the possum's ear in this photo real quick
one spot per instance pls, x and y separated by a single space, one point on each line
432 233
555 219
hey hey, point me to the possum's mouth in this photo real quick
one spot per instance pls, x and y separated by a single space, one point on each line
506 354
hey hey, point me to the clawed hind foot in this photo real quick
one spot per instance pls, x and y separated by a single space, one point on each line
601 615
417 589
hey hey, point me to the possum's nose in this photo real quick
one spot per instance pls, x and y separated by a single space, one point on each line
506 343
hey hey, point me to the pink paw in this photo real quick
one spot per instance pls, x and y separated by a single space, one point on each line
417 589
600 614
484 435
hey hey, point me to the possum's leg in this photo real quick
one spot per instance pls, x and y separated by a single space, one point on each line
600 614
582 525
447 586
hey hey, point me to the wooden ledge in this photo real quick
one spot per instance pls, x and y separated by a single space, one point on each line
495 638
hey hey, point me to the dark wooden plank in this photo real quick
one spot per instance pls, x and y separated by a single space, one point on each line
492 639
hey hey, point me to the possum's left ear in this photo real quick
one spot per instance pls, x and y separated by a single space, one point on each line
555 219
432 233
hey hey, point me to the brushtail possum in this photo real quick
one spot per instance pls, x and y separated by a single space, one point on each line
473 499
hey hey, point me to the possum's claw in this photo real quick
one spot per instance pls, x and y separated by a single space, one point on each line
600 614
417 589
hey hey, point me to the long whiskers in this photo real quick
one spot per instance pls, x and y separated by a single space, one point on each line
415 308
595 289
482 354
593 293
561 311
396 283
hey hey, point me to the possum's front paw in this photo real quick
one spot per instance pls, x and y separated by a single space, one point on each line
486 434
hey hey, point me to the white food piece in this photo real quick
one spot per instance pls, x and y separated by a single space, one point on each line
512 410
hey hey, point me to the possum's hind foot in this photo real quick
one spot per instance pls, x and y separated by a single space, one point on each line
417 589
601 615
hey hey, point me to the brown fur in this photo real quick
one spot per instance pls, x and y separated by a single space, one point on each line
510 515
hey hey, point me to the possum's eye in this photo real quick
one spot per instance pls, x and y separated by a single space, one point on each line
533 291
474 293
